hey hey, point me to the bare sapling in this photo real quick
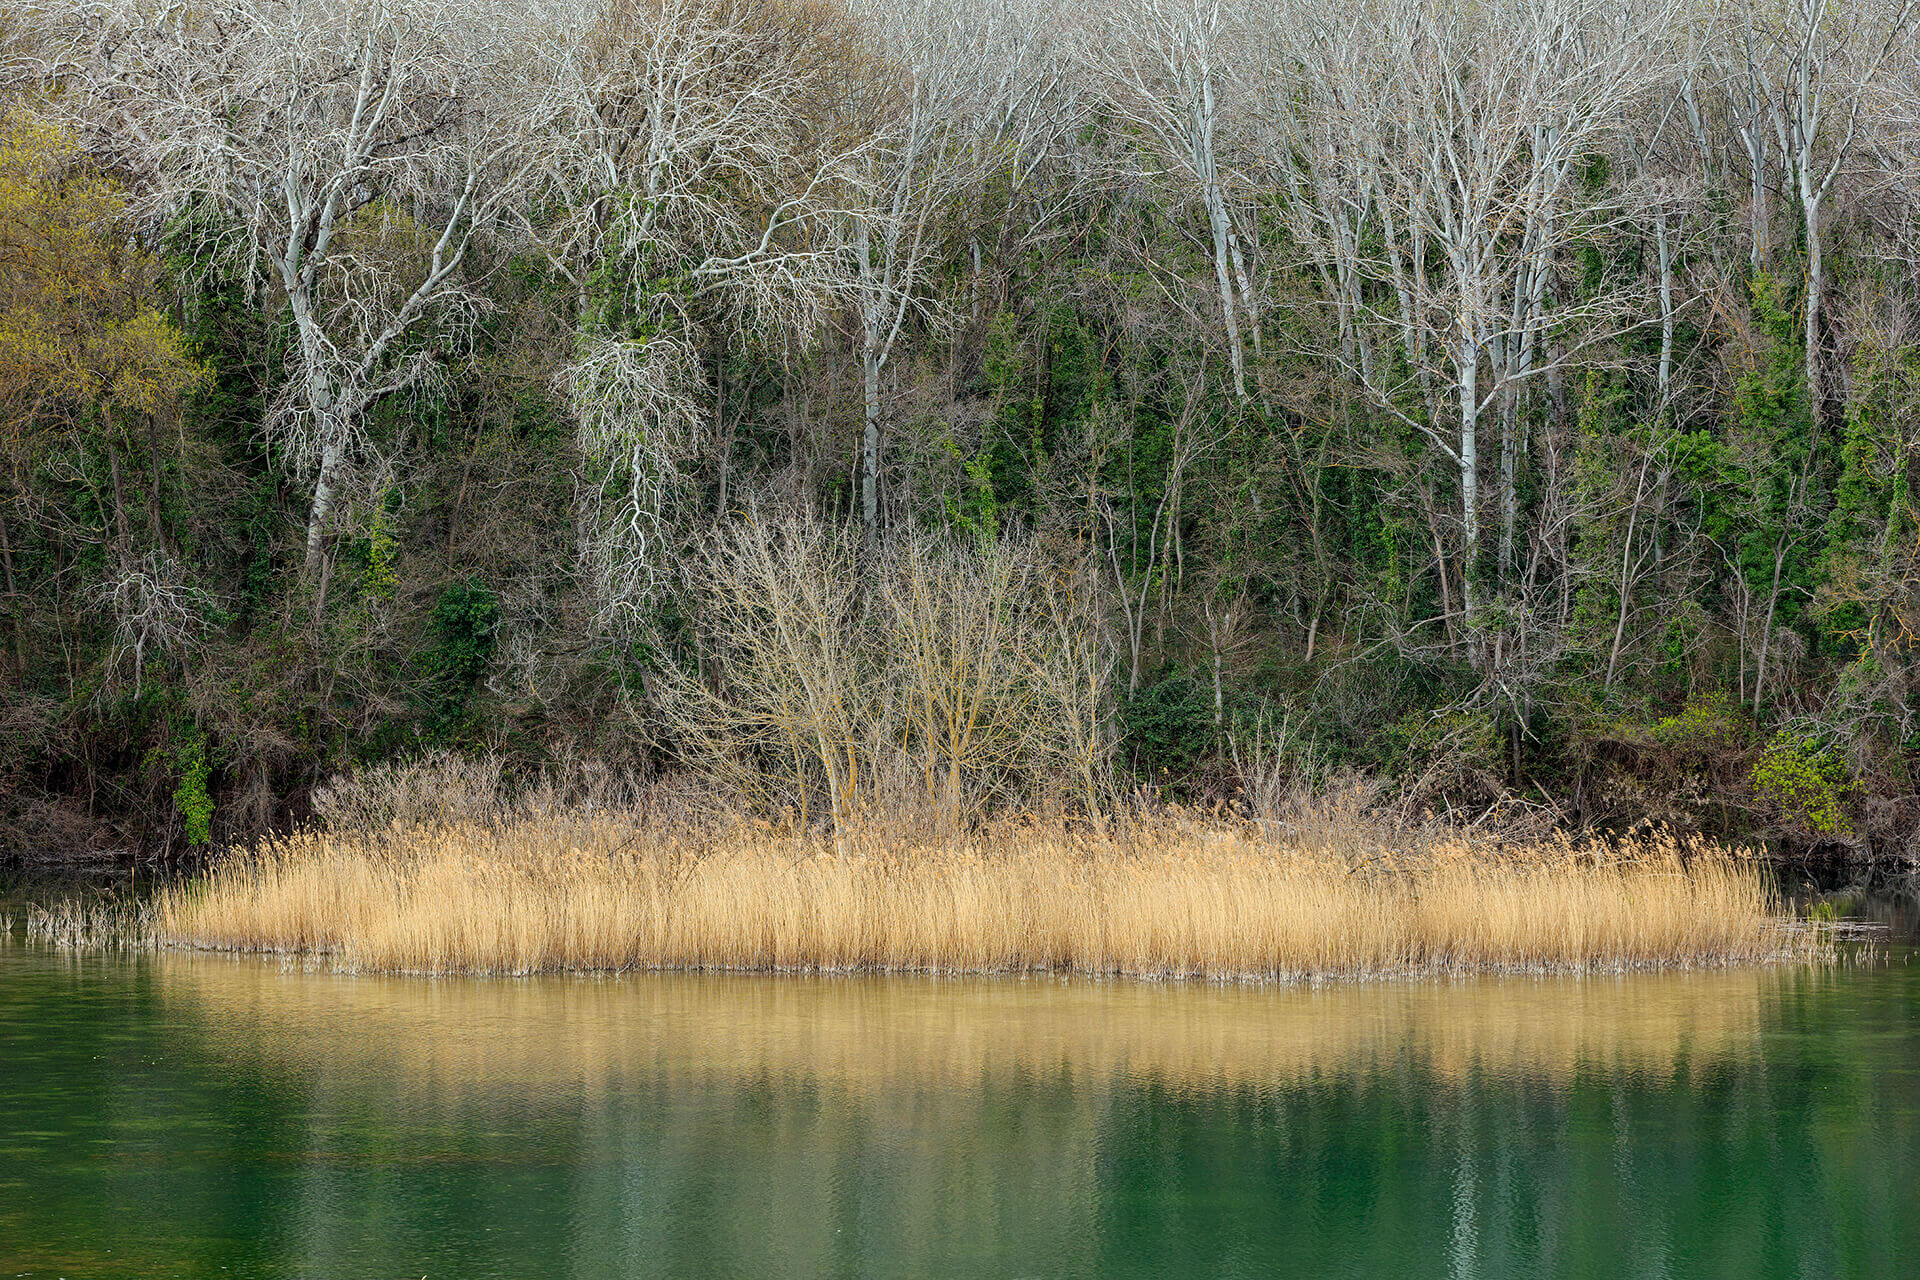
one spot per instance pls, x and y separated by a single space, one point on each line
976 669
788 706
966 635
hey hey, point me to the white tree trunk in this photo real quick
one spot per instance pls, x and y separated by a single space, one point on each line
1222 270
1756 146
1469 371
325 487
872 356
1666 303
1816 284
870 446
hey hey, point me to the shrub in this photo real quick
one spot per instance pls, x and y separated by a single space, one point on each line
1679 770
1803 786
1447 756
1704 726
463 624
1168 726
463 627
191 799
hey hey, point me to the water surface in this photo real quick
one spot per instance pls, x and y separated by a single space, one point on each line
188 1115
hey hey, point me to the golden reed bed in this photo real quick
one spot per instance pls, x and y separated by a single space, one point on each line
1172 900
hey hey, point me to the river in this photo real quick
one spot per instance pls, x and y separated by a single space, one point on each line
202 1115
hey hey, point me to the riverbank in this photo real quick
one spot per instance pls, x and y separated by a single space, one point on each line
577 891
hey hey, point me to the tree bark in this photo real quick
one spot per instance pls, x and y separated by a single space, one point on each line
1816 285
870 447
1469 371
325 488
1222 270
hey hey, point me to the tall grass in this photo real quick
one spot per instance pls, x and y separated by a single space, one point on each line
88 923
572 890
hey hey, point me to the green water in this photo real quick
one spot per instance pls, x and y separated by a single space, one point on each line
204 1116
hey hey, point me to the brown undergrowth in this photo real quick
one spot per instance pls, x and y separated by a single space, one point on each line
570 887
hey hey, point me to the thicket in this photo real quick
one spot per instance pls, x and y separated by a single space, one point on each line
1021 405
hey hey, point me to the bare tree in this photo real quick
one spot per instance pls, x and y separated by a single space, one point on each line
344 154
1666 204
1020 104
965 643
1079 736
28 48
1164 66
154 612
974 671
915 162
798 703
1812 66
1143 566
1738 64
1442 185
701 187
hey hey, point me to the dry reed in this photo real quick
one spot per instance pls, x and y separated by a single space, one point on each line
576 891
89 924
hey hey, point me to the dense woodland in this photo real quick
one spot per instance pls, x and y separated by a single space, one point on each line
1038 403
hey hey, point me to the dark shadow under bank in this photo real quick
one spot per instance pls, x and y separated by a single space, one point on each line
1821 868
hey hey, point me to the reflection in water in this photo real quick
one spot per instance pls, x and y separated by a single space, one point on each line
870 1033
190 1112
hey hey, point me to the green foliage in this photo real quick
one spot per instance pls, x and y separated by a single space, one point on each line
1803 785
191 800
463 631
974 511
1764 482
1705 725
380 552
1868 544
1168 727
463 626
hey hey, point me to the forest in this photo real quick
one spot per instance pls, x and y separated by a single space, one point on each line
1505 408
